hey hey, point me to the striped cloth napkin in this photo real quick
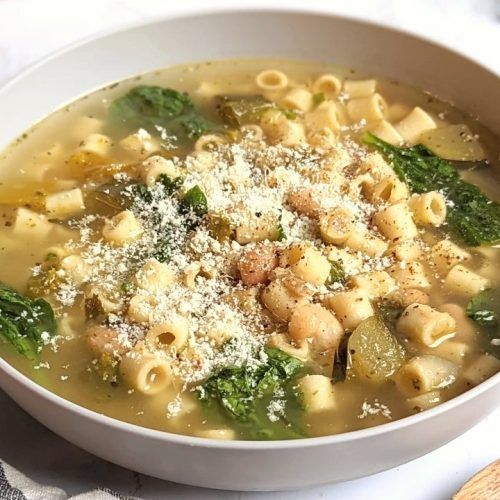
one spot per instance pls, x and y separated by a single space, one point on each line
16 486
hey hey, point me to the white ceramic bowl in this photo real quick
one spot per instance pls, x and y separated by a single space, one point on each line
243 465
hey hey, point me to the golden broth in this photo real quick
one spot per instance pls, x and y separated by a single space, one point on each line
38 164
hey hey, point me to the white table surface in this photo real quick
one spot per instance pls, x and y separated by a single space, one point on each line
30 29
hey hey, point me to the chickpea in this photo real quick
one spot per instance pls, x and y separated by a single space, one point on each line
315 322
302 202
256 264
104 340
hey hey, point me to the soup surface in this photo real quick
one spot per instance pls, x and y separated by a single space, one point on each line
252 250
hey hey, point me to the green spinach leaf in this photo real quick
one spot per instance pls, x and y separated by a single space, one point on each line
150 106
24 321
194 205
484 308
241 391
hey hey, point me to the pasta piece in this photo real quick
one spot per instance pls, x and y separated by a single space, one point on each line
424 374
208 142
98 144
326 115
308 264
109 301
395 222
222 434
329 85
371 109
271 79
398 111
446 254
322 138
482 368
408 296
75 268
155 166
256 230
172 334
351 307
252 132
84 126
122 228
453 350
411 275
422 323
365 242
414 124
299 350
389 190
317 394
281 300
337 225
313 321
375 165
145 372
65 203
407 251
155 276
141 308
359 88
375 283
280 130
466 328
428 208
298 98
385 131
463 281
351 263
424 401
32 224
138 145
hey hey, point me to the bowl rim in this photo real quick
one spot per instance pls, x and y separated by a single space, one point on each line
181 439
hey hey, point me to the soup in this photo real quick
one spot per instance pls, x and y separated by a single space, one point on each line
252 250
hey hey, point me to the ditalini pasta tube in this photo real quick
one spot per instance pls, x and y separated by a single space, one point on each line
396 222
317 393
422 323
372 108
413 124
359 88
145 372
445 255
172 335
424 374
351 307
463 281
329 85
428 208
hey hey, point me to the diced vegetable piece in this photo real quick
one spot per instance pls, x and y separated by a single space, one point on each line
337 273
219 228
374 353
454 142
237 110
